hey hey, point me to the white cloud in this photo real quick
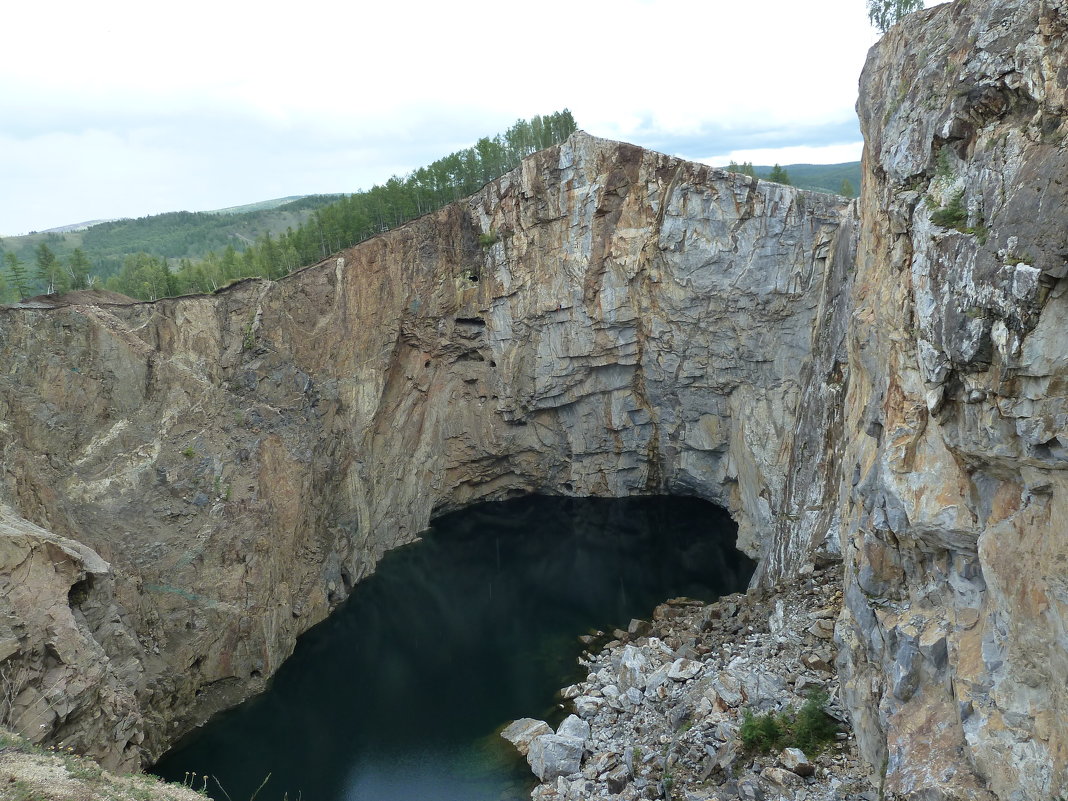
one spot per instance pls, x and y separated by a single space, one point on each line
799 154
133 105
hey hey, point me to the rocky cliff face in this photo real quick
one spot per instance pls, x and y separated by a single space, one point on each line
954 466
231 465
214 473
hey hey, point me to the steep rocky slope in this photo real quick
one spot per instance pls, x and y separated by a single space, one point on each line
194 482
954 481
603 321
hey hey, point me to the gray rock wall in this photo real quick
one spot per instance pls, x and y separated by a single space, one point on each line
640 325
955 653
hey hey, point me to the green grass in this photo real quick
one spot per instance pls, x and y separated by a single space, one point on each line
84 769
943 166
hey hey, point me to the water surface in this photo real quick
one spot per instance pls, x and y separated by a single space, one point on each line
398 696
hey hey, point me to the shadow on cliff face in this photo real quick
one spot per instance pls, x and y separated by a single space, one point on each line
398 695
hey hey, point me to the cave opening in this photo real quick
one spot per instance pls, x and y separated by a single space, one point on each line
401 693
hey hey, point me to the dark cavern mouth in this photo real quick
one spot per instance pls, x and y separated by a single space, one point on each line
400 694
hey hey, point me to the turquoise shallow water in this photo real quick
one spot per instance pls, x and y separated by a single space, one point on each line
398 696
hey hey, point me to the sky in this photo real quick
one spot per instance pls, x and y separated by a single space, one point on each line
122 108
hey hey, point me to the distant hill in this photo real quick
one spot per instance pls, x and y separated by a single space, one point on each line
66 229
174 235
819 177
269 237
265 205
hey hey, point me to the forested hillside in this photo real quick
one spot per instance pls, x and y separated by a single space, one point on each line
836 179
173 236
185 252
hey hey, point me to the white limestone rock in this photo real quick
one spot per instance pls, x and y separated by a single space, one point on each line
521 732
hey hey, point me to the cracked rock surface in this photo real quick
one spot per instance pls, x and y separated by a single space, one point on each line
953 647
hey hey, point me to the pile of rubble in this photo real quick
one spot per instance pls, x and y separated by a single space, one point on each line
660 713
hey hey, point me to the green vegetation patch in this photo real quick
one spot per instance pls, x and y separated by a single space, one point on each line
841 179
953 214
810 728
182 253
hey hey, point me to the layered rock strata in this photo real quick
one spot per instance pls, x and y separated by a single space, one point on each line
603 321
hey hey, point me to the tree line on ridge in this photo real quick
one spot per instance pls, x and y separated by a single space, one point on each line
328 229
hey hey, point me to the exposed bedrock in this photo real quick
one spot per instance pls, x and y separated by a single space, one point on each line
955 634
602 321
887 381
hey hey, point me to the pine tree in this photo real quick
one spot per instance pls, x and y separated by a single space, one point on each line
329 228
884 13
779 175
229 265
78 269
268 259
846 189
745 168
49 270
16 272
144 276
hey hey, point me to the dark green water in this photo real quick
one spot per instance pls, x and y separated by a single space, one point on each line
398 696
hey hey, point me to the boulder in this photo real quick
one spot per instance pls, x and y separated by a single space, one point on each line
633 666
573 726
684 669
729 690
599 764
551 756
814 661
780 778
521 732
586 706
795 761
639 628
822 629
617 778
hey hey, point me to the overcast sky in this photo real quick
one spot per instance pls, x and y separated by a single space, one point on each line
122 109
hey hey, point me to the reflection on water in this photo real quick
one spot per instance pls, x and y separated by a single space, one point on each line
398 696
